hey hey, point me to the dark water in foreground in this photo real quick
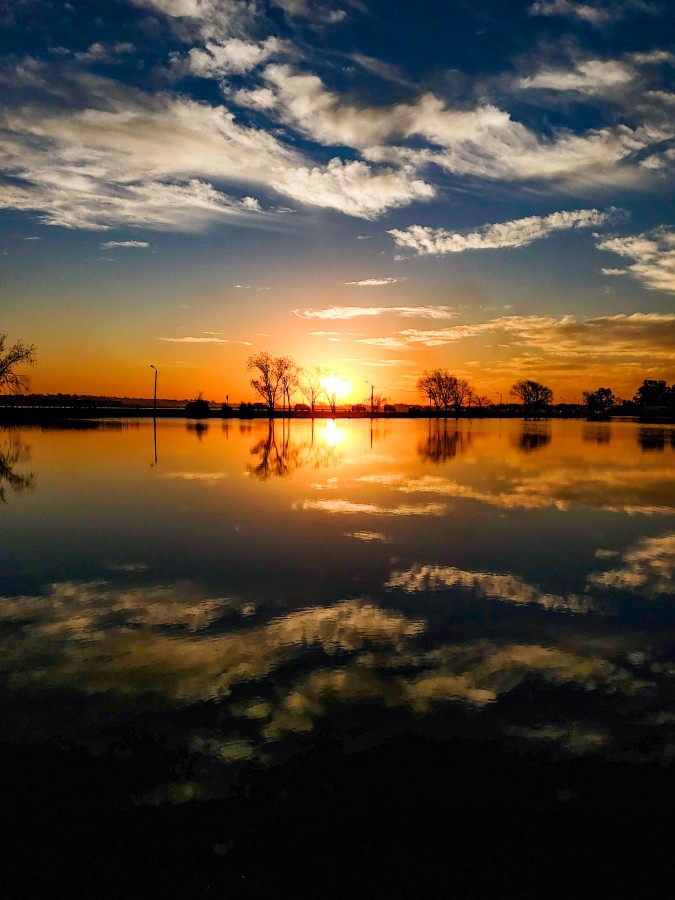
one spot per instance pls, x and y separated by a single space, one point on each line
405 651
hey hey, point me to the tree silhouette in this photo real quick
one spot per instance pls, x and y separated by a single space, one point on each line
288 381
272 369
309 384
600 401
444 390
534 396
18 354
654 393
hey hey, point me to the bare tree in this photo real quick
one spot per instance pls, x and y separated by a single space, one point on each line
480 401
271 369
426 385
534 396
309 384
11 382
374 401
289 379
443 389
460 392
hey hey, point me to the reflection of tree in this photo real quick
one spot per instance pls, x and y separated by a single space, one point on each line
600 434
199 429
534 436
11 453
278 457
441 444
655 438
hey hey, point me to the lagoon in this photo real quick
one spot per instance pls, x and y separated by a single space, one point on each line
207 601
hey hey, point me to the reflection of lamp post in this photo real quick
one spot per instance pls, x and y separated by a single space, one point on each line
154 399
372 397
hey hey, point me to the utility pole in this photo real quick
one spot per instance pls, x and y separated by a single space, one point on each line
154 399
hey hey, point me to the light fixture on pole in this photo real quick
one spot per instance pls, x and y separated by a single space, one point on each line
154 399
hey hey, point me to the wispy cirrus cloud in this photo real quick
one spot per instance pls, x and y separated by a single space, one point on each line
637 335
207 338
354 312
111 245
653 254
375 282
516 233
378 363
598 13
592 76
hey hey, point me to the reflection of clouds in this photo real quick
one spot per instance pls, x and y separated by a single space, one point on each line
347 507
97 638
207 477
575 737
474 674
85 609
648 567
368 536
627 490
508 588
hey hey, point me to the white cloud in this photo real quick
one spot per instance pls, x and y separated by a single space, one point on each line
352 187
232 56
485 142
202 340
109 245
517 233
591 77
128 157
654 255
597 13
375 282
353 312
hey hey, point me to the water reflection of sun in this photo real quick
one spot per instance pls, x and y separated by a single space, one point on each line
332 435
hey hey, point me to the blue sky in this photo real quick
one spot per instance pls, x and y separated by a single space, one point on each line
379 187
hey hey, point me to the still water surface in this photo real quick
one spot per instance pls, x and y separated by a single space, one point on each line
232 586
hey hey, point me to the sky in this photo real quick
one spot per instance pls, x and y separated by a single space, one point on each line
375 186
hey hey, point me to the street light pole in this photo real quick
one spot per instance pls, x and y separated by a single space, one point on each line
154 399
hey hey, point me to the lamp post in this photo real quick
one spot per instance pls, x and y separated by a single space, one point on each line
154 399
372 397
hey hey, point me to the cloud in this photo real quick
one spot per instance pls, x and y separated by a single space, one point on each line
654 255
638 335
484 142
202 340
375 282
517 233
353 312
233 56
597 14
352 187
126 157
109 245
379 363
590 77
